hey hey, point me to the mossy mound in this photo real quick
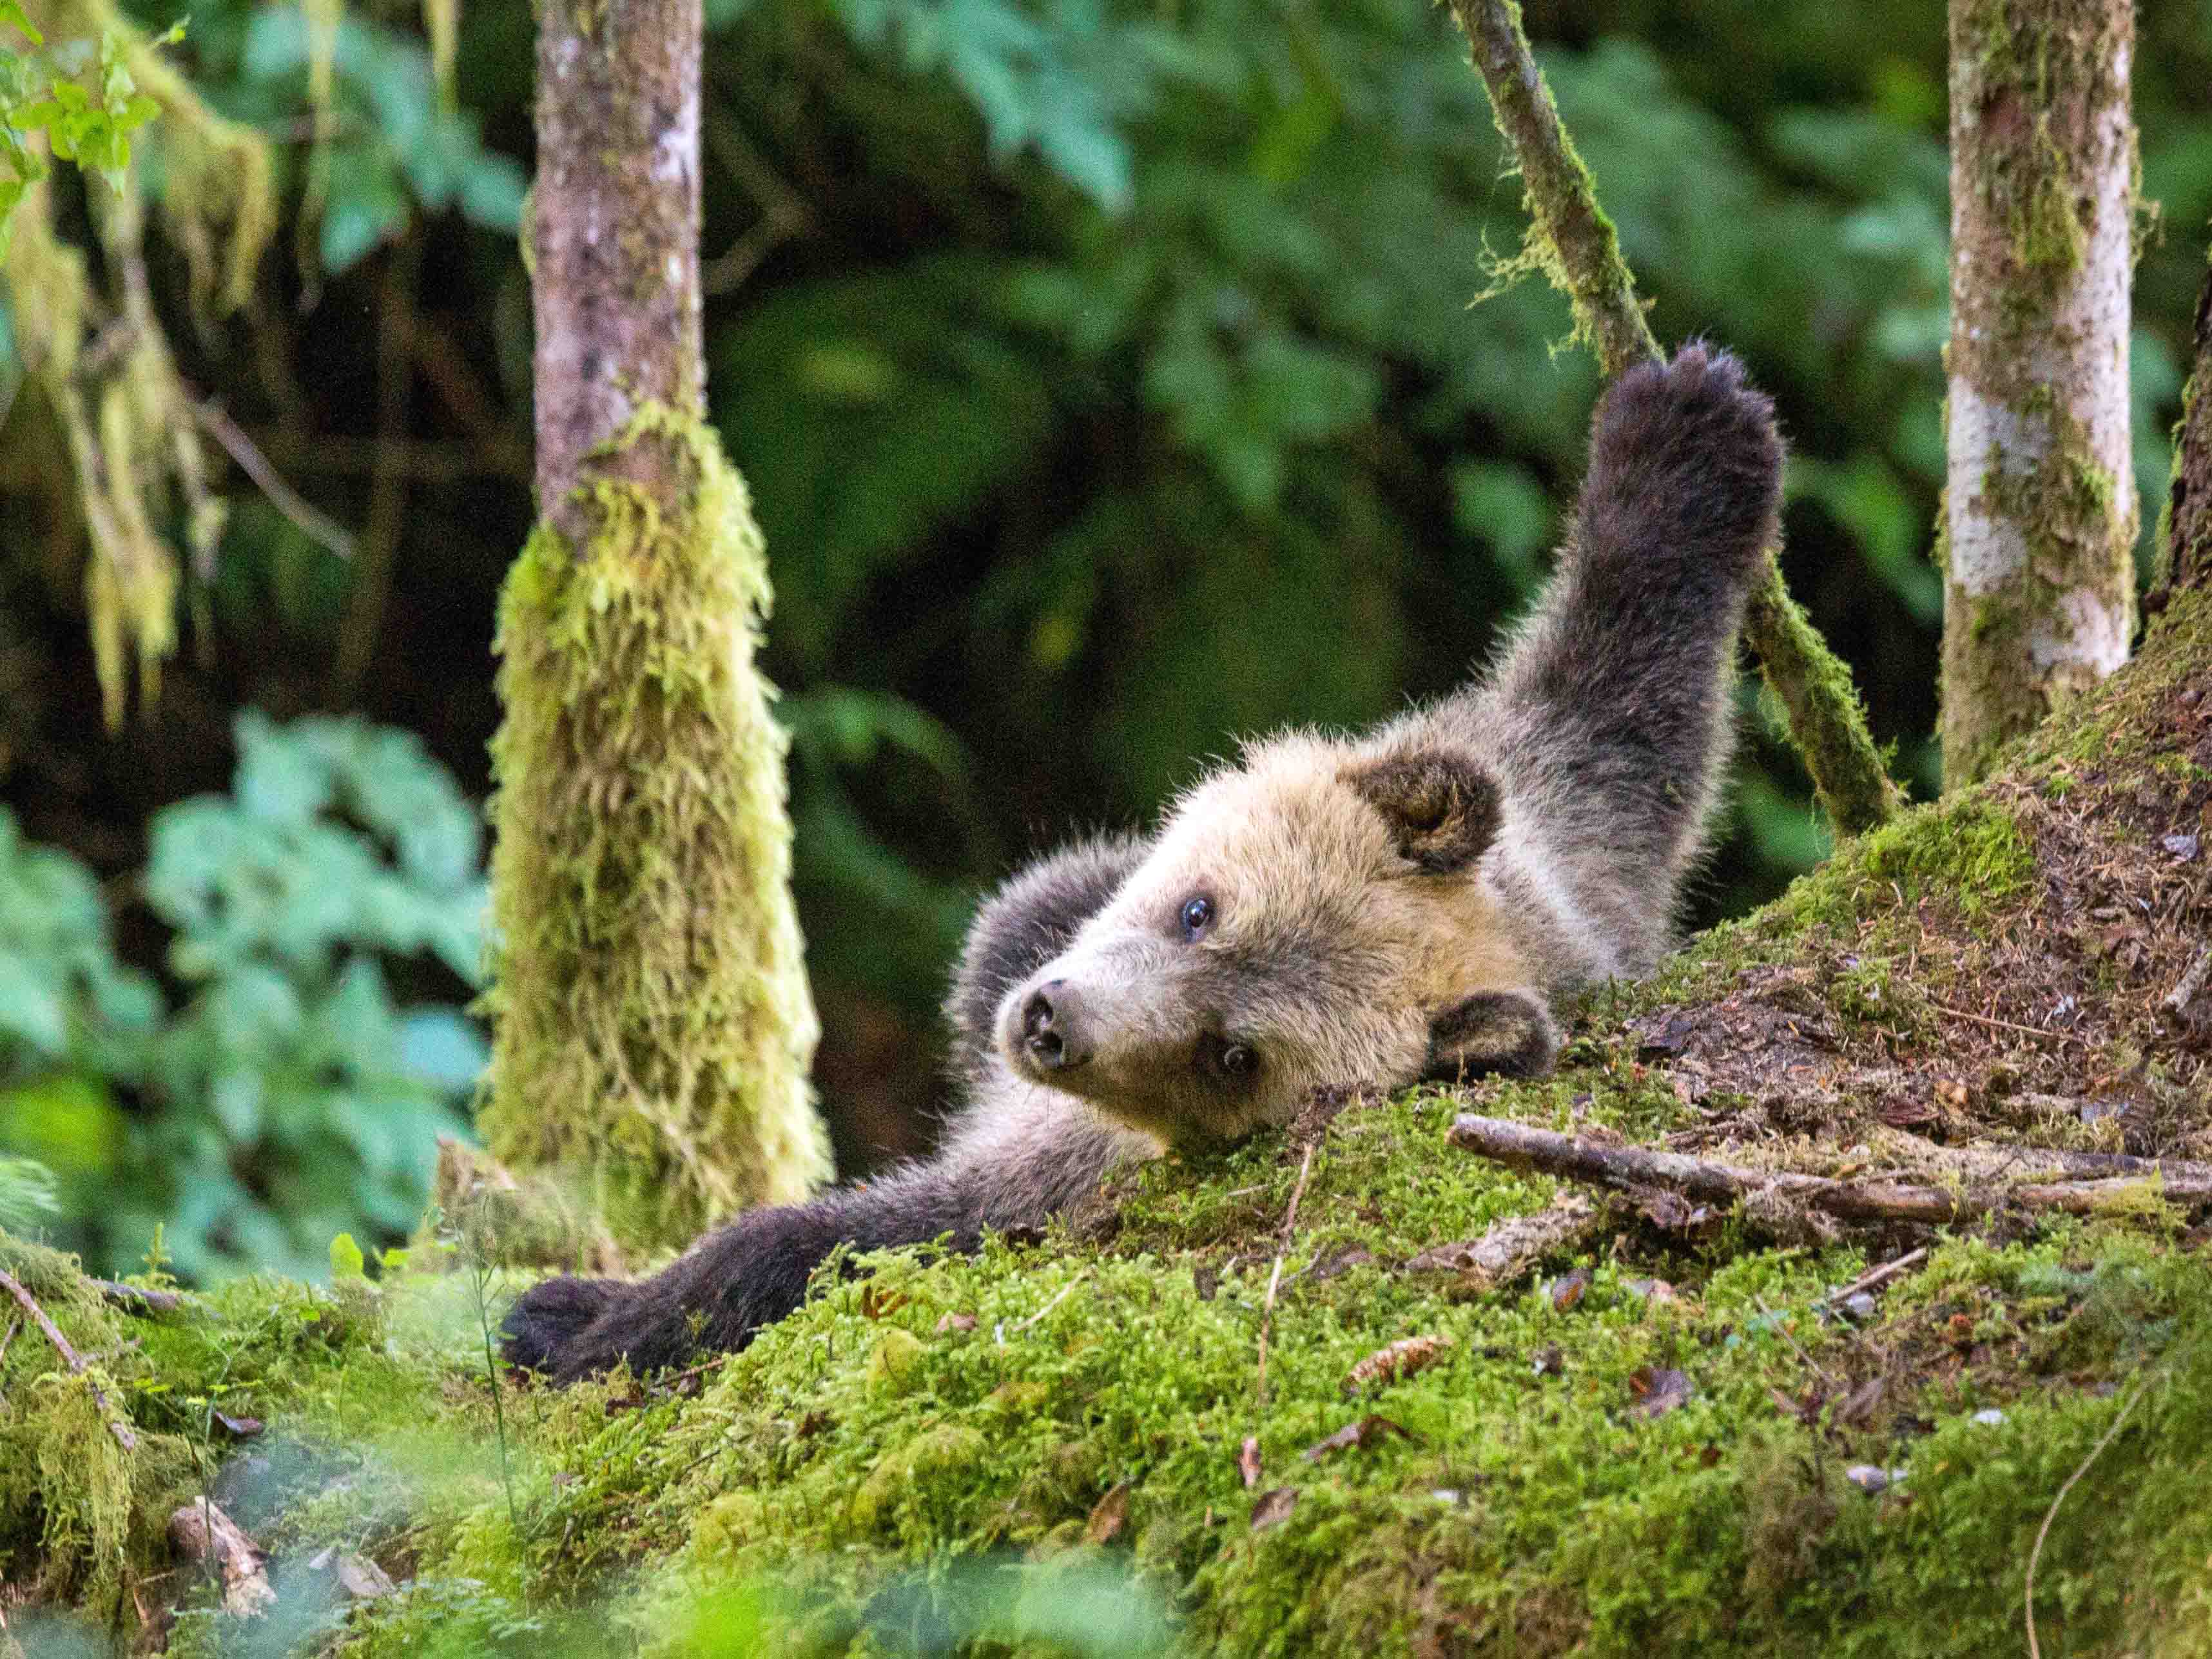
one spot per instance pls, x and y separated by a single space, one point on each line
1672 1439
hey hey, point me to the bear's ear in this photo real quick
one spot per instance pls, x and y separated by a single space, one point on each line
1440 803
1509 1033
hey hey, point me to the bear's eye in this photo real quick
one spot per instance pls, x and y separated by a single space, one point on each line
1197 916
1231 1061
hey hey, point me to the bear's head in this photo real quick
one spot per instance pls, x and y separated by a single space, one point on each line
1314 917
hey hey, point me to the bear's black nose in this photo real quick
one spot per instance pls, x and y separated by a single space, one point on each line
1052 1027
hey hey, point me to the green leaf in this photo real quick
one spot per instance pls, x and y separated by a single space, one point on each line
32 1007
11 13
346 1260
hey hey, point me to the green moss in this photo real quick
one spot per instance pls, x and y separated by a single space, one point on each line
1825 718
652 1022
1965 850
1071 1445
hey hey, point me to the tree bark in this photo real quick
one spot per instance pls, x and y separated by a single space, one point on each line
651 1023
615 232
2185 538
2040 512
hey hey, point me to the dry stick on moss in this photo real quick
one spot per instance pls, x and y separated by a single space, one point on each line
73 1360
2049 1163
1066 1290
2028 1592
133 1299
1575 244
2179 1009
1275 1279
1875 1276
1522 1147
1996 1024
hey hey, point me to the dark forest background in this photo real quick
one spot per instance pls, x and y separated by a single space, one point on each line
1106 378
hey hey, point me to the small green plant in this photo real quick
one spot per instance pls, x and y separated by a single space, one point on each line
278 1091
44 91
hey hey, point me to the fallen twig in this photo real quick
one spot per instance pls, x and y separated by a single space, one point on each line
2179 1009
2031 1162
1275 1279
1512 1247
1875 1276
1995 1023
1825 721
122 1431
2028 1592
135 1300
1066 1290
1523 1147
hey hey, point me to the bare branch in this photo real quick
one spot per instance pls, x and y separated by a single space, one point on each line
309 520
1522 1147
116 1425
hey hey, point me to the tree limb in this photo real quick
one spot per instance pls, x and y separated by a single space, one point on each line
1576 244
1522 1147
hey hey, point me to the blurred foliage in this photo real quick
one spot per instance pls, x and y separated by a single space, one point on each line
45 92
1107 381
266 1091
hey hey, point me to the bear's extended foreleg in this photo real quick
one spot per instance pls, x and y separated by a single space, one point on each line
1610 713
1018 1161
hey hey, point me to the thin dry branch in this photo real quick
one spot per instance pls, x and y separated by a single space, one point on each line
2027 1591
124 1435
131 1299
1874 1277
2043 1162
2180 1007
1275 1277
1522 1147
1576 244
202 1532
311 521
1510 1247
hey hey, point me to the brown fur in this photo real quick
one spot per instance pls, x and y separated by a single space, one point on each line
1326 913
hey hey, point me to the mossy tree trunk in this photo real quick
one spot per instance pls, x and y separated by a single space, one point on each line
2185 537
2039 510
651 1023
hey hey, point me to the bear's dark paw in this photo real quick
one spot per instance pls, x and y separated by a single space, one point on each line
1492 1033
546 1320
1694 436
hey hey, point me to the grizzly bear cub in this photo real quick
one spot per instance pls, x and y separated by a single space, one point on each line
1328 912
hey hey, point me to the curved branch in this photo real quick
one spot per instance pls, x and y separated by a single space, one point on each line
1575 244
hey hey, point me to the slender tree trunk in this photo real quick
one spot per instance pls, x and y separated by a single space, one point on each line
652 1026
615 228
2039 511
2185 537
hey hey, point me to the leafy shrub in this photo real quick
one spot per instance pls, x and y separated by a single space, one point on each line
275 1092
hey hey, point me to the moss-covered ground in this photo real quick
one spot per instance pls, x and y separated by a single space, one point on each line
1669 1439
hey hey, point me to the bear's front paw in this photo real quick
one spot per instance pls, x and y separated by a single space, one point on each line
548 1317
1700 417
1508 1033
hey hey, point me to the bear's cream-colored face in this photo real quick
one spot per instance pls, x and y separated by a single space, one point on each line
1303 920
